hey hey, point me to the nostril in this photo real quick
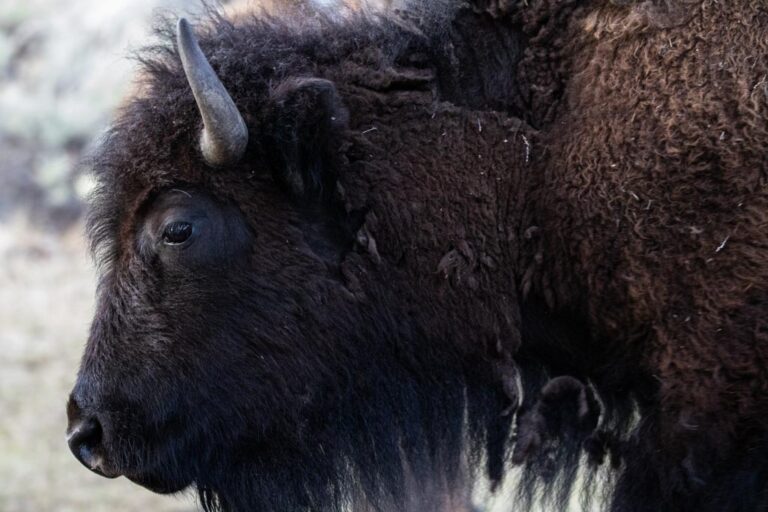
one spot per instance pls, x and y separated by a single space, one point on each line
84 438
86 432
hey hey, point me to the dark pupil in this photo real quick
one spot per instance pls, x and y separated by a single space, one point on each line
177 232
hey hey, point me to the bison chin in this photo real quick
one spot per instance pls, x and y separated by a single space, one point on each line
160 484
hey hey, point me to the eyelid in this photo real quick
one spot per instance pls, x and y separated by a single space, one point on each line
192 217
167 223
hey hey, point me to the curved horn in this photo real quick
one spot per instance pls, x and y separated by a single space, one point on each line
224 136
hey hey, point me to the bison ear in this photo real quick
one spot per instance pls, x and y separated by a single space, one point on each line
306 117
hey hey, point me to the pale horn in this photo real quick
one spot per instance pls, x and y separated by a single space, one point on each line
224 136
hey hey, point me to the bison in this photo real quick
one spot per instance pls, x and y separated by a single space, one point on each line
367 262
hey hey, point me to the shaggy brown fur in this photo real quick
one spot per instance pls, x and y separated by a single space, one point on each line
653 210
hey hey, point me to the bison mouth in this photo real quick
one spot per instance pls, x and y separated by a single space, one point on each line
154 481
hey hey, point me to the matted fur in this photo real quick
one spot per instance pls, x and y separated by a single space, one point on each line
652 206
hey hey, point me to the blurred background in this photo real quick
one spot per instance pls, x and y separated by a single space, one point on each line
64 66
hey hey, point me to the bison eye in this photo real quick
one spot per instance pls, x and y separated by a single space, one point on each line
177 232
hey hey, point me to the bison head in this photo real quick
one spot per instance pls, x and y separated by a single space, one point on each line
208 326
234 344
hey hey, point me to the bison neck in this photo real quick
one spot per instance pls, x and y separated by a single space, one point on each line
442 191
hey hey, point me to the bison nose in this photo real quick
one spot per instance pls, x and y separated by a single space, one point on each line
84 437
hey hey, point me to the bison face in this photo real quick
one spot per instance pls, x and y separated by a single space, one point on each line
167 320
216 314
211 336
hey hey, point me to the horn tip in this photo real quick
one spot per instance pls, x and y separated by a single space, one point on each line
183 29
